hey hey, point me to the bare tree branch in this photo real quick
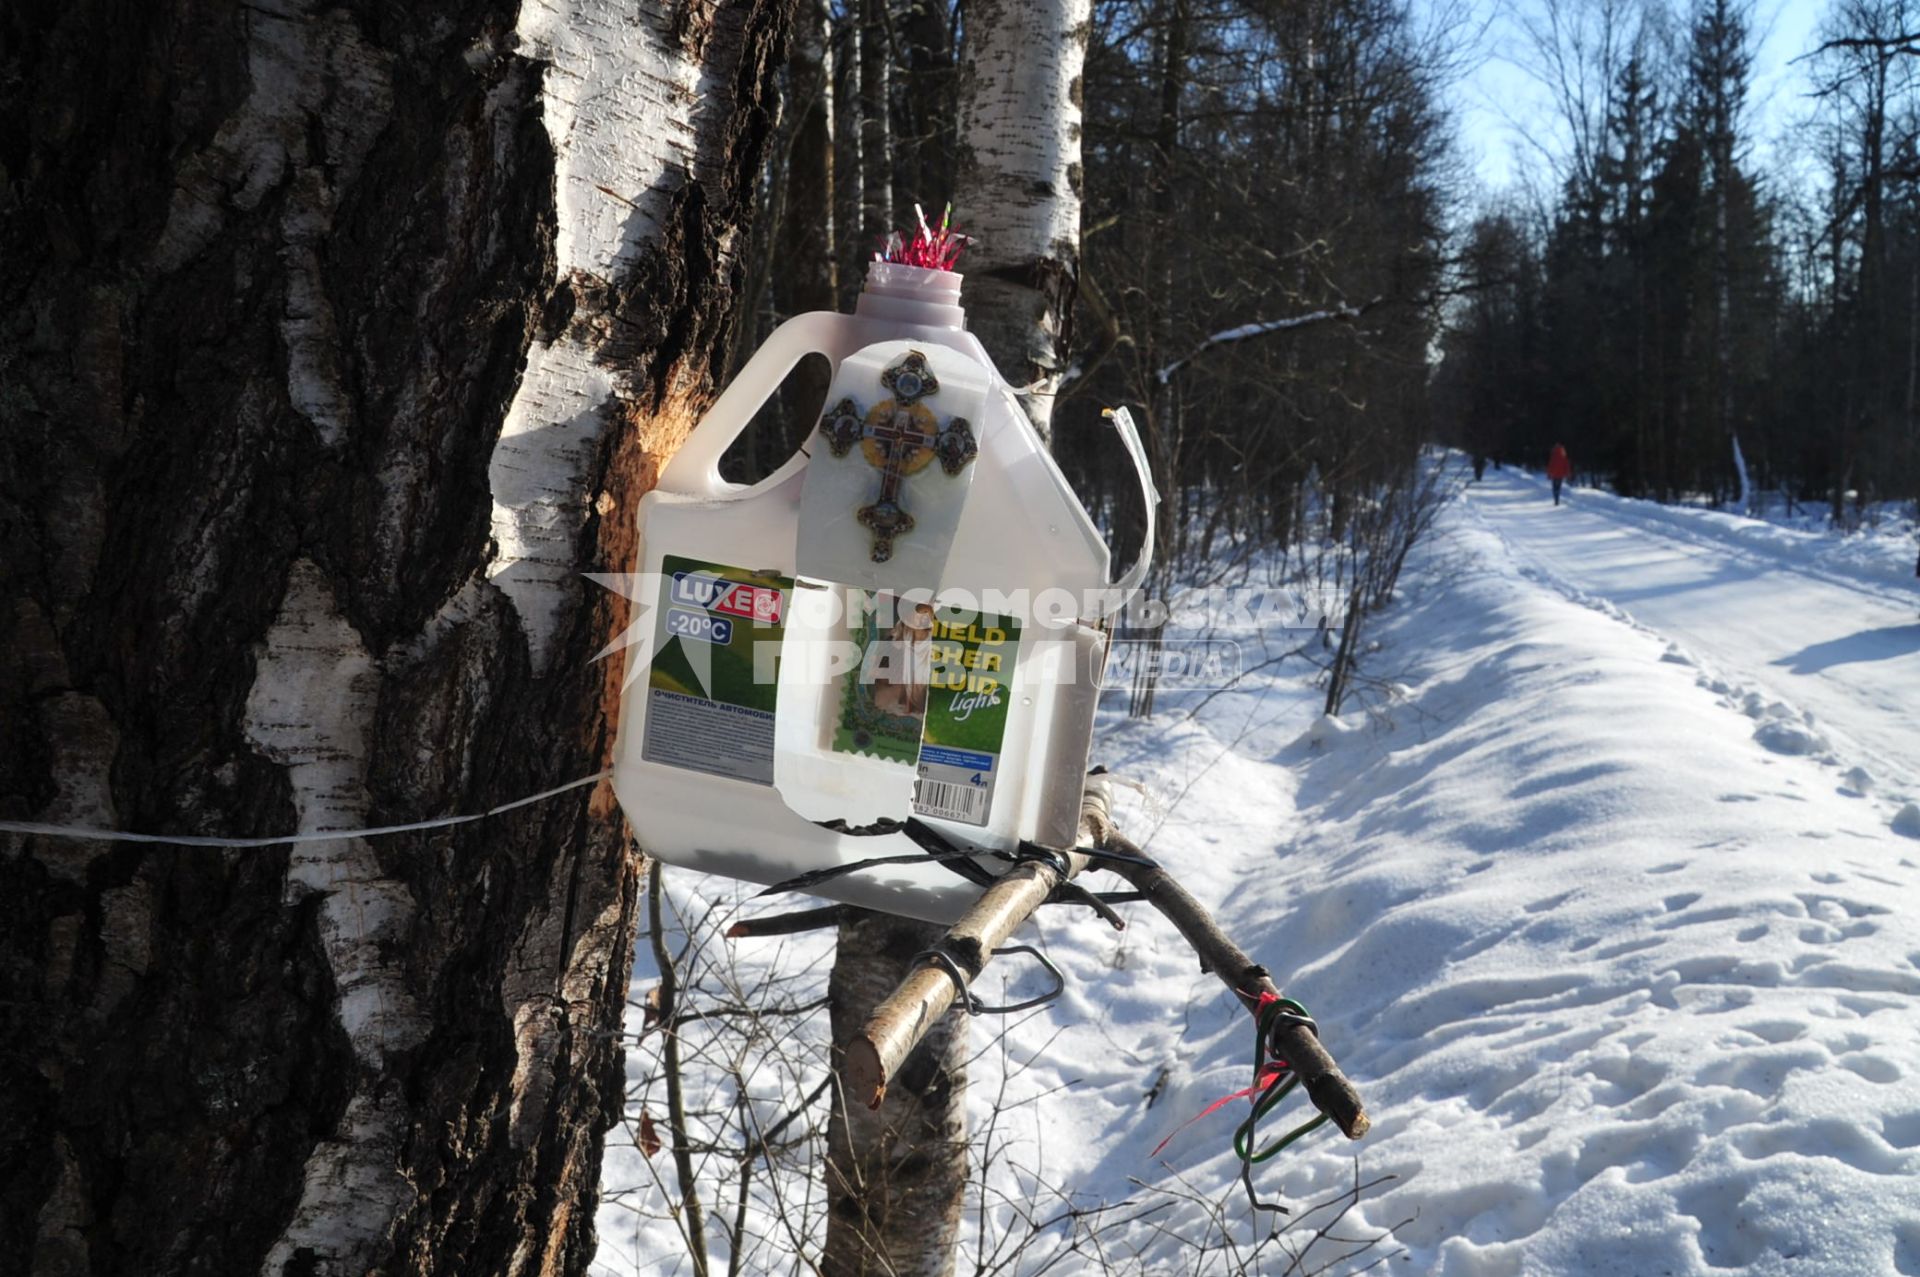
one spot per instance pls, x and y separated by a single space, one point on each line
1266 328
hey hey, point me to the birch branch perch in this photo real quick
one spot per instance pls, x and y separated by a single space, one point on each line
1326 1085
897 1025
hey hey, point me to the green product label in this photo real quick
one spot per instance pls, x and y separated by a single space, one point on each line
968 698
972 668
930 688
712 686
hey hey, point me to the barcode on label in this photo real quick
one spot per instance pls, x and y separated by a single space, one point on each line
952 802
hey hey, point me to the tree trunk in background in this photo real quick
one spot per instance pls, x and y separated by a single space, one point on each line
808 270
329 366
1019 185
925 117
876 125
806 257
1163 406
852 251
1721 68
897 1175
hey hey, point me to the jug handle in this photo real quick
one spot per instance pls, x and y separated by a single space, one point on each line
695 469
1130 580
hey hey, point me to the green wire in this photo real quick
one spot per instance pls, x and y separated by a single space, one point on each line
1271 1097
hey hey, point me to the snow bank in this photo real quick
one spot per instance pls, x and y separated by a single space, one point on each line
1882 554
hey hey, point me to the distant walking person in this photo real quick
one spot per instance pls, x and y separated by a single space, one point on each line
1559 469
1479 466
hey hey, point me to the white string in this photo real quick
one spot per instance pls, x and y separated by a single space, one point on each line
330 835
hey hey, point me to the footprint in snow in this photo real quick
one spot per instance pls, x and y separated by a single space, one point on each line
1873 1068
1785 736
1901 1130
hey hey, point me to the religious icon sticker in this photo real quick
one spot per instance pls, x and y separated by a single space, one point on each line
706 709
892 460
900 437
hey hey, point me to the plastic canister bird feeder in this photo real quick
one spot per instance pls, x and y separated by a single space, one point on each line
898 624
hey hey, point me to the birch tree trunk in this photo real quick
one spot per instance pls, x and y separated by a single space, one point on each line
896 1175
1019 185
333 347
853 250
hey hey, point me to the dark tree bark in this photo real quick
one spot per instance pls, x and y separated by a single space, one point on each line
806 256
334 343
808 270
877 218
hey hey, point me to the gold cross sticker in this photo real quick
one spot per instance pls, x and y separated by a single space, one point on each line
899 437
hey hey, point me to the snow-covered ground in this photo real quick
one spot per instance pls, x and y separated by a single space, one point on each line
1813 623
1880 548
1602 897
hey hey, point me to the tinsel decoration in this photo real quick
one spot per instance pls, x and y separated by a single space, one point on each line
929 248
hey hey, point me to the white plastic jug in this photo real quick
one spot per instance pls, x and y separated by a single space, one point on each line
735 751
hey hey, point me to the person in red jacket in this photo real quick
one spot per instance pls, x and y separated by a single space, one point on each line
1559 469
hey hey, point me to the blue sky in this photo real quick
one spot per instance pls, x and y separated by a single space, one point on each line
1496 90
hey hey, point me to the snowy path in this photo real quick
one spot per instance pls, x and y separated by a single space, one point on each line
1845 650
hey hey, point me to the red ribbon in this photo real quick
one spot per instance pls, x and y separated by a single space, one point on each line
1262 1079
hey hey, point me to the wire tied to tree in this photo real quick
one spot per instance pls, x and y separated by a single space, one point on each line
1279 1077
1273 1080
39 829
939 957
936 847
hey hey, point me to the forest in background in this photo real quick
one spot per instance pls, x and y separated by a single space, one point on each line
1286 272
1670 307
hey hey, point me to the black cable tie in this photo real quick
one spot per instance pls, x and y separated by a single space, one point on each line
951 965
1072 893
1038 853
947 963
964 861
947 852
814 877
1125 858
884 825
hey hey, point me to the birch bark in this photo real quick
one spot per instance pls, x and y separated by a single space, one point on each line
335 349
896 1175
1019 185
